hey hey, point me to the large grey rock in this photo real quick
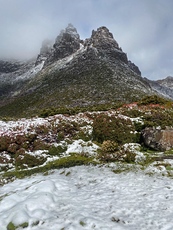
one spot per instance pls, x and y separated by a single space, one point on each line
157 138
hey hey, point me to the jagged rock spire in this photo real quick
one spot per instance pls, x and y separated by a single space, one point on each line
101 43
66 43
106 45
102 36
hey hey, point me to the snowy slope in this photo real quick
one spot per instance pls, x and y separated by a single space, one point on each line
88 197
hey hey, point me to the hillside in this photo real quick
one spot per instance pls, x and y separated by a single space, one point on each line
163 87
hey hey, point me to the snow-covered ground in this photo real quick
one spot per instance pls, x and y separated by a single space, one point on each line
88 197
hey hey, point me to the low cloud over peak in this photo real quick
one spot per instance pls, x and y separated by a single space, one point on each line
142 28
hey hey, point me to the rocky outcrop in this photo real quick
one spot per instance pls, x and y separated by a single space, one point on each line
9 66
101 44
66 43
106 45
157 138
134 68
45 51
163 87
167 82
78 73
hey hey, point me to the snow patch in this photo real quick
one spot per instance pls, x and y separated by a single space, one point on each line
80 146
88 197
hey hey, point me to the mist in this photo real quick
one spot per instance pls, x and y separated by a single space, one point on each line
143 29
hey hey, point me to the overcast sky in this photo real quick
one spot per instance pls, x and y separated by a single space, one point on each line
143 28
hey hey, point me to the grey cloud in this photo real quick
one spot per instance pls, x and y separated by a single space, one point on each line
142 28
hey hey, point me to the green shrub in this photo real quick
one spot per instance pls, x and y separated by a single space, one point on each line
11 226
160 118
153 99
109 146
113 128
132 113
66 162
109 151
56 151
65 129
70 161
128 156
27 160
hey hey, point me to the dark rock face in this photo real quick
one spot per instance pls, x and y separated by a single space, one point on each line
163 87
134 68
158 139
67 43
45 51
9 66
167 82
106 45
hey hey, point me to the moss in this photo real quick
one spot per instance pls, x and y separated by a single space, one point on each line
73 160
27 160
82 223
57 151
65 162
11 226
169 152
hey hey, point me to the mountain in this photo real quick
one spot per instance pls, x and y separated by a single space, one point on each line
163 87
71 73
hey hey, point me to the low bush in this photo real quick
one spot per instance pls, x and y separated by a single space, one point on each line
57 150
66 162
70 161
109 151
160 118
153 99
26 160
113 128
65 129
11 226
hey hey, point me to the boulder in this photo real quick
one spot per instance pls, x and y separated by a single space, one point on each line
157 138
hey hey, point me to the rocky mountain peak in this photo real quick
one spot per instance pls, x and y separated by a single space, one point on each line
67 35
168 82
46 47
45 51
102 36
74 73
66 43
106 45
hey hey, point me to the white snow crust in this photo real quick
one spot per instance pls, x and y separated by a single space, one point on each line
88 197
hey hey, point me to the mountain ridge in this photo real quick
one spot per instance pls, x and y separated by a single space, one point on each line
74 72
